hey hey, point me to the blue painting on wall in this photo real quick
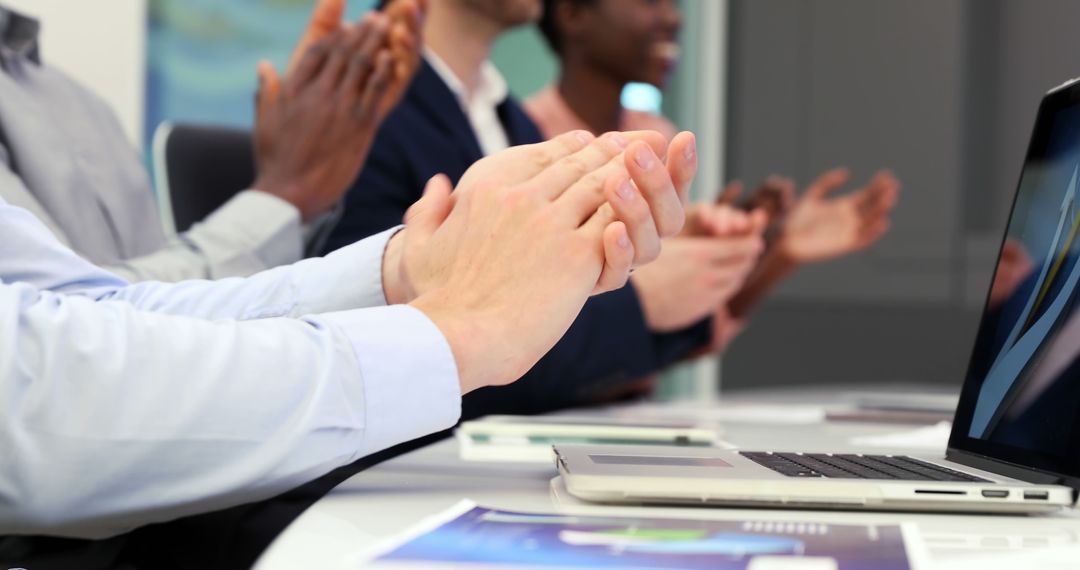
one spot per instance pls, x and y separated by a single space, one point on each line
202 55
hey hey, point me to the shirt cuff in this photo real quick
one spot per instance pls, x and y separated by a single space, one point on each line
349 278
409 382
317 233
673 347
251 232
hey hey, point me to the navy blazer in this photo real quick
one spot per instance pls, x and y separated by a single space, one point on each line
607 346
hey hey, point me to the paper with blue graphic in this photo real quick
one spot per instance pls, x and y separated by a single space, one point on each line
469 536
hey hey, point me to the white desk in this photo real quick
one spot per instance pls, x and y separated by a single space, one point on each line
393 496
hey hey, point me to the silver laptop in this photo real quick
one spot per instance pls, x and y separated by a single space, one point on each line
1015 442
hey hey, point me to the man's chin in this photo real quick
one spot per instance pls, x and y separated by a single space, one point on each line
535 14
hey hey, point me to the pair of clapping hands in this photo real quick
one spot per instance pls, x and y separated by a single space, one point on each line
738 248
819 225
504 263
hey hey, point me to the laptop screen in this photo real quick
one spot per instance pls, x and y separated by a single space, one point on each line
1021 398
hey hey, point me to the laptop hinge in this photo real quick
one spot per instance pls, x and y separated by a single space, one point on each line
1014 471
560 461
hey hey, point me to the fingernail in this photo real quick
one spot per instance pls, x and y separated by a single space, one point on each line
584 136
620 140
690 152
624 241
644 158
625 190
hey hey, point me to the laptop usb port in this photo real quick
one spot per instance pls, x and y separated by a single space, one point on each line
995 493
1037 495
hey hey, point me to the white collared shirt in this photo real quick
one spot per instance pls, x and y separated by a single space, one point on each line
123 405
481 108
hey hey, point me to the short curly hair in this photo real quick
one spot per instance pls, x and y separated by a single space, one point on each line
547 24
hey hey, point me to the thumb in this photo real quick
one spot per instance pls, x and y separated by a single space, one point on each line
425 216
269 85
828 183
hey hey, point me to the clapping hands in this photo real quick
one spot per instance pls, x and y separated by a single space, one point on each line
505 262
315 126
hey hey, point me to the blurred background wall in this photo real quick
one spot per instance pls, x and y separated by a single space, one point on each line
102 43
942 91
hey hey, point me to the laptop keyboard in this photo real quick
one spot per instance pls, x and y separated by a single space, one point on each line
854 466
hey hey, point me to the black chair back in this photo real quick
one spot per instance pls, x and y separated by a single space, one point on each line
199 168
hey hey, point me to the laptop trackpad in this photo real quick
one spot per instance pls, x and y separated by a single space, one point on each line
658 461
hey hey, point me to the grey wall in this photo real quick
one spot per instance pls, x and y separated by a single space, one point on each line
942 91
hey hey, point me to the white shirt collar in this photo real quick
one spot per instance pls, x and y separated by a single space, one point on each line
491 90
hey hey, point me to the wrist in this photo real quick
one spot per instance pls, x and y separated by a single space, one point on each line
462 337
781 258
394 287
288 193
775 266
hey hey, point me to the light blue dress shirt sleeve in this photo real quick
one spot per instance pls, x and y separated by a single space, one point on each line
114 416
349 278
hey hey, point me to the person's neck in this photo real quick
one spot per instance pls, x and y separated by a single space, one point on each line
461 39
596 98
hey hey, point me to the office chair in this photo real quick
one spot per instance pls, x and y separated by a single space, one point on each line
197 169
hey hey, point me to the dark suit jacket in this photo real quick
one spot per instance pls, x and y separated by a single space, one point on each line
609 343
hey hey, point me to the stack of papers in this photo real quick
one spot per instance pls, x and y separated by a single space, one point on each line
733 412
530 438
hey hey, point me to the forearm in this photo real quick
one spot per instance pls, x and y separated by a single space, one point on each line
349 278
215 413
774 267
251 232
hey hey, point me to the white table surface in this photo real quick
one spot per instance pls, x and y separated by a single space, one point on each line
385 500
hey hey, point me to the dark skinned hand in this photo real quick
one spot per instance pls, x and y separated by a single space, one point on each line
403 39
314 128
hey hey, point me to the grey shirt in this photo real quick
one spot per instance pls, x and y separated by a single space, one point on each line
64 157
